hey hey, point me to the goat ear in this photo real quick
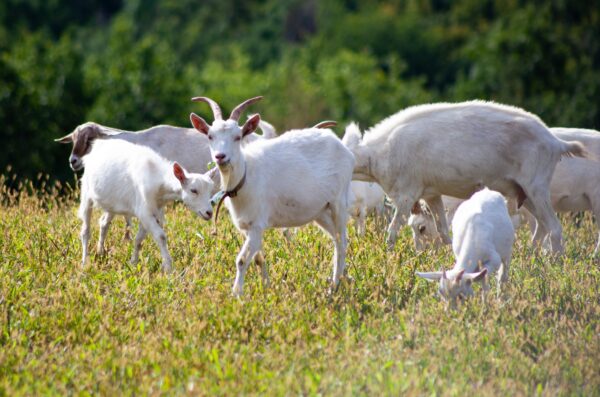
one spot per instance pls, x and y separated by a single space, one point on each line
65 139
179 173
199 123
431 276
251 125
478 276
416 208
213 174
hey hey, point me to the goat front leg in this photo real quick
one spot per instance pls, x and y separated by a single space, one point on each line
152 223
439 215
85 214
105 221
128 227
250 248
402 203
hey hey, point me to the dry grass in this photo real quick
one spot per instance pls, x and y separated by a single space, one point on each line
115 329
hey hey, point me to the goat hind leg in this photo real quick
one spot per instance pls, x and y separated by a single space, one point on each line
402 203
137 244
333 222
546 217
259 259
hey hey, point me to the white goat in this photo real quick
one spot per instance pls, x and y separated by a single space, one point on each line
429 150
367 196
124 178
575 185
482 244
423 225
299 177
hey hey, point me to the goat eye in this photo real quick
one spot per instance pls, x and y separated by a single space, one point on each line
210 137
237 138
195 191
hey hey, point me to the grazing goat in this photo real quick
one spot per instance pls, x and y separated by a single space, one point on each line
367 196
288 181
453 149
124 178
482 244
423 224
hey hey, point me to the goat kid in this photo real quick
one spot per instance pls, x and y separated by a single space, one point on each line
482 244
133 180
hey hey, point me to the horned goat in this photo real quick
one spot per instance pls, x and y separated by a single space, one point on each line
288 181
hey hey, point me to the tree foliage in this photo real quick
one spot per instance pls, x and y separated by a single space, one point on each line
132 64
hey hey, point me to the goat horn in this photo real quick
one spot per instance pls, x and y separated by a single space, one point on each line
325 124
235 113
213 105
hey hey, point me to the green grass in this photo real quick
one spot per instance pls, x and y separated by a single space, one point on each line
117 329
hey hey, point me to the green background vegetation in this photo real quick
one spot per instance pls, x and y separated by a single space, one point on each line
133 64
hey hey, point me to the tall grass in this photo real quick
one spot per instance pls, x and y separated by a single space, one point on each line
117 329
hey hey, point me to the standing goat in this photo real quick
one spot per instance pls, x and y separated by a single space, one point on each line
288 181
429 150
124 178
575 185
482 244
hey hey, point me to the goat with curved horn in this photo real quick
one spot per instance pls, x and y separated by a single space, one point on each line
235 113
213 105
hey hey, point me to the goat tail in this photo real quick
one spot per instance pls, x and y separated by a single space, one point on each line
573 149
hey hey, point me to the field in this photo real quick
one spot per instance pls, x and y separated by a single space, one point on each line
116 329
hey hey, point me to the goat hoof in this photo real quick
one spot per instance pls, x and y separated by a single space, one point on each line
237 290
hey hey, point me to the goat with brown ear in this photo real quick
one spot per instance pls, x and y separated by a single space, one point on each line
296 178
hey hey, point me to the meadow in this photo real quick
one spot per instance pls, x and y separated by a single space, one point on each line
116 329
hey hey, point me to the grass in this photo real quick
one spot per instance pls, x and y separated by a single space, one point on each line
117 329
